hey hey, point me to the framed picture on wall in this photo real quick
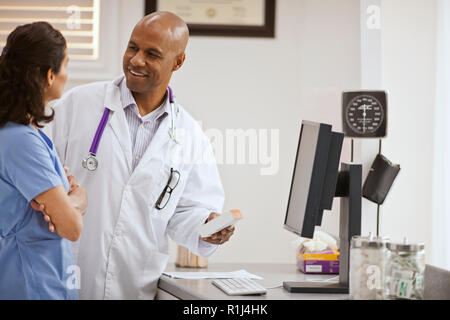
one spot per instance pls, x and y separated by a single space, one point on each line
236 18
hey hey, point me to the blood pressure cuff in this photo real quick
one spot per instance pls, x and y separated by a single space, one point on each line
380 179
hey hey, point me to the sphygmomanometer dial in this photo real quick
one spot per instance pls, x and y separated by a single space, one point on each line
364 114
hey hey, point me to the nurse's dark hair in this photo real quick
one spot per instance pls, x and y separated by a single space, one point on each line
30 51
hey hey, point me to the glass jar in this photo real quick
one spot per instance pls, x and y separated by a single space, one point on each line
405 268
367 264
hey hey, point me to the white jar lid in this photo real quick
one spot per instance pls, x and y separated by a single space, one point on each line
406 247
369 242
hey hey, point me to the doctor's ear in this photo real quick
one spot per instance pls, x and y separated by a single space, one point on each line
50 77
179 61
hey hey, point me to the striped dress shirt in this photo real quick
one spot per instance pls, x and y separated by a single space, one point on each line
142 128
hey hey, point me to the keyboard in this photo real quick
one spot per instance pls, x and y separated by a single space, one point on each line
239 286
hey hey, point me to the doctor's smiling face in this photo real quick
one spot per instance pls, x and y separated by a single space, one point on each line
155 49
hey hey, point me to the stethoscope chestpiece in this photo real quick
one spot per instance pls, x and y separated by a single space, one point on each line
90 162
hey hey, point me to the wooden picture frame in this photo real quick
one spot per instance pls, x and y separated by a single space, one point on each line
266 30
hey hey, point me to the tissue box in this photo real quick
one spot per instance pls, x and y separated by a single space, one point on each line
326 262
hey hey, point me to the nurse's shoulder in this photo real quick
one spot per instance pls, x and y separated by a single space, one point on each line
17 136
25 162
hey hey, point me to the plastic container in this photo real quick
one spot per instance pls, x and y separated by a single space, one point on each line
405 268
367 265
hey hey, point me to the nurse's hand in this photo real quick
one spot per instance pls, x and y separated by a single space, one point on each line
76 193
79 199
219 237
72 182
40 207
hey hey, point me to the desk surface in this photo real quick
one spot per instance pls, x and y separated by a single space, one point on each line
273 274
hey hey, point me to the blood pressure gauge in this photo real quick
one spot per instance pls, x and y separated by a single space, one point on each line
364 114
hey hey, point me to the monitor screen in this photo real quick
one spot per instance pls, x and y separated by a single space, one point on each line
308 178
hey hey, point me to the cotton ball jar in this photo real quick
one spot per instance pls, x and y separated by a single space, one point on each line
367 265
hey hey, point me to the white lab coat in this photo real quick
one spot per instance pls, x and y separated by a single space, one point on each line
124 246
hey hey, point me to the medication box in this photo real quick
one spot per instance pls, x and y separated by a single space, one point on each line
326 262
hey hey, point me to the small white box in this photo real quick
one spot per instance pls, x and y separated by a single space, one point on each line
223 221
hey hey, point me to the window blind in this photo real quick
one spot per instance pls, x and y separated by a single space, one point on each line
78 21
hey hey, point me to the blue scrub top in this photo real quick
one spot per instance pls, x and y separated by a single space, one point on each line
34 263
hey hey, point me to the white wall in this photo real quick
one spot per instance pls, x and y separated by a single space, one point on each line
231 83
264 84
409 57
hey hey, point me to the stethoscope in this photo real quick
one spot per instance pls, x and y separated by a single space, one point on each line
91 162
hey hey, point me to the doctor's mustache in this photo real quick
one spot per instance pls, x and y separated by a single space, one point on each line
259 147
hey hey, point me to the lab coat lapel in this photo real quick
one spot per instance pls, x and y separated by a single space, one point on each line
118 121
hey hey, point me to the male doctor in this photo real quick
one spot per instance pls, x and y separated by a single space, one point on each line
140 186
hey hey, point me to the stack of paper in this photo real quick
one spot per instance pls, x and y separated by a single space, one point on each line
213 275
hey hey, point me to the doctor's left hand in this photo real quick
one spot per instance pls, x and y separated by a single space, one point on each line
219 237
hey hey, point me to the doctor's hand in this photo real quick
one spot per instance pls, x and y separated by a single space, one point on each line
219 237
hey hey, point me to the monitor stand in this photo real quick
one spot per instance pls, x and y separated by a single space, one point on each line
349 190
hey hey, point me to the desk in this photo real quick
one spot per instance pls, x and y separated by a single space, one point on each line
437 283
273 274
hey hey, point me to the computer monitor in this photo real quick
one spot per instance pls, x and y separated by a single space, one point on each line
314 179
331 174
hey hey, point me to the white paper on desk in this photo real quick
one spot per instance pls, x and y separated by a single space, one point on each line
213 275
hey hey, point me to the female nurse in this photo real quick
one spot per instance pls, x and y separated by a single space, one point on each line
35 263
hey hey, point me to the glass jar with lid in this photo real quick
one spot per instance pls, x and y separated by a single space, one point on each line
405 268
367 264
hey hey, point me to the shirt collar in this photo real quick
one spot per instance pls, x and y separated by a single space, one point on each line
128 101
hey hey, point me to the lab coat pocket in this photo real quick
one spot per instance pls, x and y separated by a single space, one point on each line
168 194
154 266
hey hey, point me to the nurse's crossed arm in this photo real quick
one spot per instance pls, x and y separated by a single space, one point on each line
63 211
74 195
219 237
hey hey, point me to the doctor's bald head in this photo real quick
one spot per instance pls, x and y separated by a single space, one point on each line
155 50
172 26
